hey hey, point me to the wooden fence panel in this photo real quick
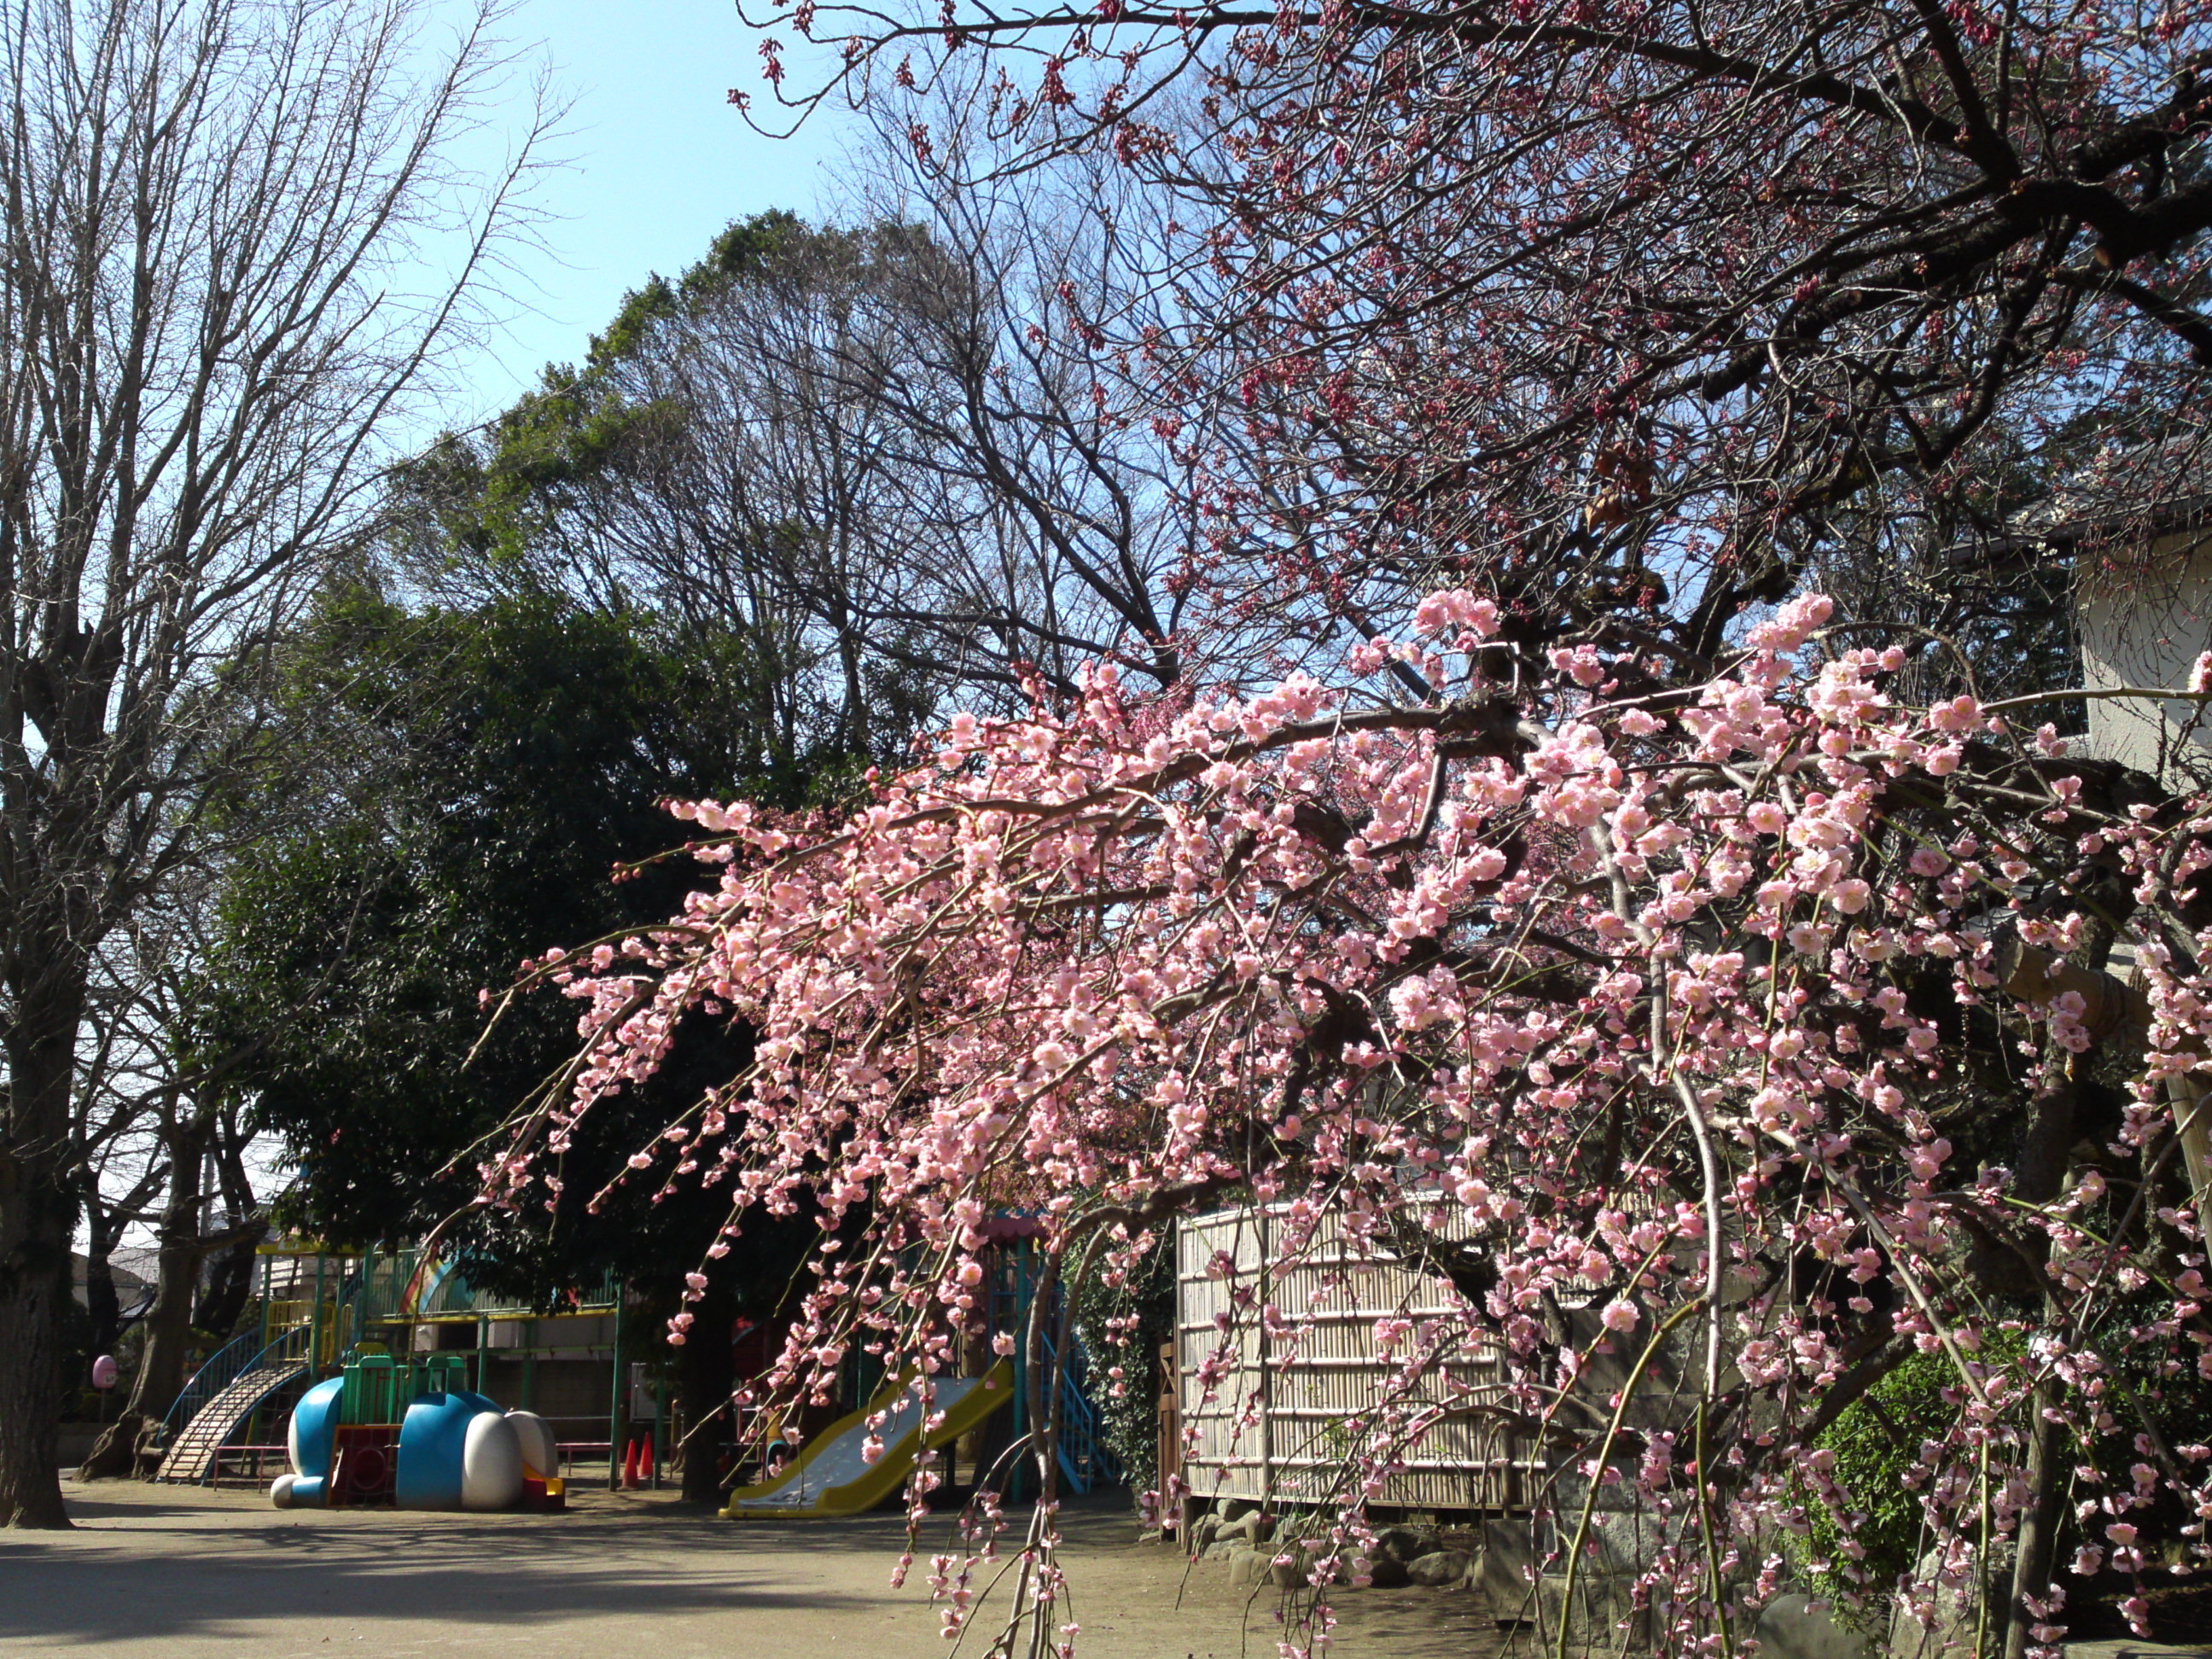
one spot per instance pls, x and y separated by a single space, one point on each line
1283 1419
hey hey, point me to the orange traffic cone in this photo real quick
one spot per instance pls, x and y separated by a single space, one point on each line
645 1461
629 1465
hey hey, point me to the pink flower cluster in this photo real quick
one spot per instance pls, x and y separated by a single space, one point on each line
1664 1007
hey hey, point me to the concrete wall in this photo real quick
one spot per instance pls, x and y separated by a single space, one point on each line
2144 621
76 1440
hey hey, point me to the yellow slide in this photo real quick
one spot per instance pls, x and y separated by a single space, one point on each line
832 1476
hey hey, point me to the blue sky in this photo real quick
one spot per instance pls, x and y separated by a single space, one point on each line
661 162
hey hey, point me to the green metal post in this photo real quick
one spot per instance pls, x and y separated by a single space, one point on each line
364 1288
315 1321
483 1355
366 1318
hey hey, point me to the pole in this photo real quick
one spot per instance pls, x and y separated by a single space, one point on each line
315 1320
2187 1093
659 1416
1266 1374
615 1401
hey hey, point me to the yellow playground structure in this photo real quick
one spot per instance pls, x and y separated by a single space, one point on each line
834 1473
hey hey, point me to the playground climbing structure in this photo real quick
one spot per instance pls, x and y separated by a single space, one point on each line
317 1305
406 1433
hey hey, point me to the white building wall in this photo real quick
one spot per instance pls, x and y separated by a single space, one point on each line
2143 622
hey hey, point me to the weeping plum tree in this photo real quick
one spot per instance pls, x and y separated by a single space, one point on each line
1689 1006
234 235
1611 923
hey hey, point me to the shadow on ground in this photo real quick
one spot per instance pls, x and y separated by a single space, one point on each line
156 1572
159 1569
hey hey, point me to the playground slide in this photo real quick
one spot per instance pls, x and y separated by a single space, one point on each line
830 1476
193 1454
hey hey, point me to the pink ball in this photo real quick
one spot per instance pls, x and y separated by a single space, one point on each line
103 1371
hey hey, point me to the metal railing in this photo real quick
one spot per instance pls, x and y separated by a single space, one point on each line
225 1366
1085 1460
336 1322
383 1290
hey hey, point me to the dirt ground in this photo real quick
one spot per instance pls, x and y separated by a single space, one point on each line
167 1572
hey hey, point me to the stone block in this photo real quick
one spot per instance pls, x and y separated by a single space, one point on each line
1406 1544
1440 1569
1293 1568
1791 1627
1945 1629
1601 1617
1249 1566
1254 1528
1509 1563
1387 1572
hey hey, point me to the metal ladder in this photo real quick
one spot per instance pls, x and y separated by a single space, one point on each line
221 1394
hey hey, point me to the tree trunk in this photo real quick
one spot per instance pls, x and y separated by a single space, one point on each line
230 1284
979 1450
161 1375
169 1322
116 1450
124 1447
704 1379
117 1453
230 1279
100 1301
2012 1267
37 1205
2039 1523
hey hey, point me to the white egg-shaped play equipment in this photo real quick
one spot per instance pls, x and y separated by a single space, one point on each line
491 1464
409 1435
541 1454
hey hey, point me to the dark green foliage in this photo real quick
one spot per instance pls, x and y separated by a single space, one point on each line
1876 1441
1103 1311
741 250
499 764
499 497
620 481
491 768
494 756
495 499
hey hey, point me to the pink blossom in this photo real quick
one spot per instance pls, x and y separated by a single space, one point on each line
1669 1008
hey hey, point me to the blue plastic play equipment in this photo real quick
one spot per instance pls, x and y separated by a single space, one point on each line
353 1443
